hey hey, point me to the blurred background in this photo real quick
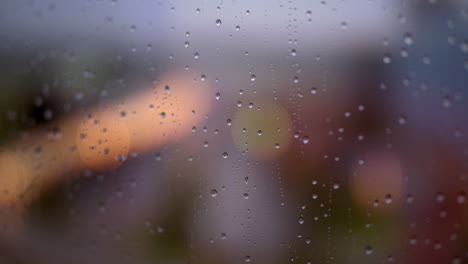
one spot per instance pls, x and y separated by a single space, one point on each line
233 131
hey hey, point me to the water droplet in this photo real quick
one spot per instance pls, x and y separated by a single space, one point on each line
301 220
409 198
388 199
461 197
344 25
446 102
369 250
88 74
408 39
237 28
440 197
253 78
437 246
451 40
225 155
160 229
247 259
38 150
376 203
259 132
305 140
336 186
464 47
163 115
387 58
296 135
48 114
402 120
293 52
218 22
214 193
404 52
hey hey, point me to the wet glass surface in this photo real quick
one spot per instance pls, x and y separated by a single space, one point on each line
233 131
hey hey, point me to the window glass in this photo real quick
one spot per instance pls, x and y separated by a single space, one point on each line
236 131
